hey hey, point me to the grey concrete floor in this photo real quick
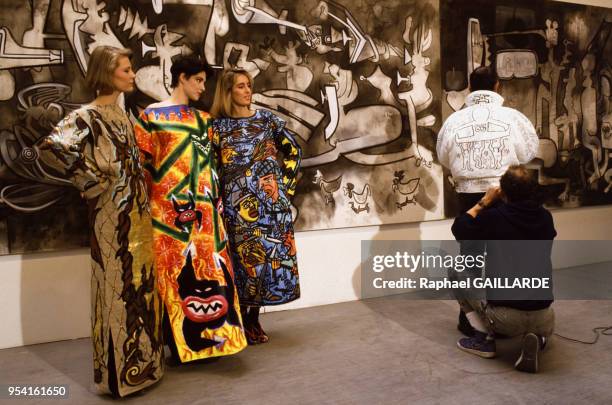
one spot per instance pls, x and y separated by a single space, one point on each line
381 351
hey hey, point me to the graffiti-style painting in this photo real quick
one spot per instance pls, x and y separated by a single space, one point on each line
358 84
554 61
363 86
356 81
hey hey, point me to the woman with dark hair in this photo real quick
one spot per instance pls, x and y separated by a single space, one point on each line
256 192
202 314
95 148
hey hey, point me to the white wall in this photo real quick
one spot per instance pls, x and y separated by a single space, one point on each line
330 260
45 297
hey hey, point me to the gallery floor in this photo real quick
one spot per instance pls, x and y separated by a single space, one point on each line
379 351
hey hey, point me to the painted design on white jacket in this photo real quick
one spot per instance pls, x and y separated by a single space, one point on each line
480 142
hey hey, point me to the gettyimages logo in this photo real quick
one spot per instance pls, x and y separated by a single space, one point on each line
412 263
492 270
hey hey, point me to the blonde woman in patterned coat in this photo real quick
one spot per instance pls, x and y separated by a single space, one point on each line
257 187
95 148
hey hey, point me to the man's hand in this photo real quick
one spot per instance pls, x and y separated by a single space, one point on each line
492 195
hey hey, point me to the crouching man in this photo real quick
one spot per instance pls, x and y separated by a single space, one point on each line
519 234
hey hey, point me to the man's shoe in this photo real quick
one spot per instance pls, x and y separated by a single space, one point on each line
464 325
528 360
543 342
478 345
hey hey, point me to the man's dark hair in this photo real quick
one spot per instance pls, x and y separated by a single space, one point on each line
483 78
190 65
519 184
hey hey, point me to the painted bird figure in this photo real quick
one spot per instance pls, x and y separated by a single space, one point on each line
359 201
327 187
406 188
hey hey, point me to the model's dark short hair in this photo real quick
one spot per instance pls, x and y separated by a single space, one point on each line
483 78
519 184
189 65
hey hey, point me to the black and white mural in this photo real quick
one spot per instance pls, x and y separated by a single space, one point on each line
356 81
364 85
554 61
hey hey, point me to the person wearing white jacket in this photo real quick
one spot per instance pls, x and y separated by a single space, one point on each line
478 144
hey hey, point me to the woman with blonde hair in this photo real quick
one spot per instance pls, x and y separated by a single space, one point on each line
256 192
94 147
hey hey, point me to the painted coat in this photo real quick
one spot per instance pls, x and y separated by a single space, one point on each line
256 192
94 147
191 250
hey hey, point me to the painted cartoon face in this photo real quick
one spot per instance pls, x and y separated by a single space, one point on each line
123 76
248 208
269 186
202 301
194 85
241 91
227 155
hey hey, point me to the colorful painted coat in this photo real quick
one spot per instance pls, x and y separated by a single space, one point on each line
256 192
191 253
95 148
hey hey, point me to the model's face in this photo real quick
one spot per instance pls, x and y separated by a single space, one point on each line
123 77
241 91
194 85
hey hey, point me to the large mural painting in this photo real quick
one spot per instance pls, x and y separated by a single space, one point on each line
554 61
361 84
357 82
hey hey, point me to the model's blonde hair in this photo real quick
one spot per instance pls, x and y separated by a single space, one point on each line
222 104
101 68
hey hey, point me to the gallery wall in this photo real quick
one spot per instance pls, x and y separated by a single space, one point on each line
360 92
364 87
45 296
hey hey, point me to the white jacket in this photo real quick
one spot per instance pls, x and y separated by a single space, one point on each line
480 142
